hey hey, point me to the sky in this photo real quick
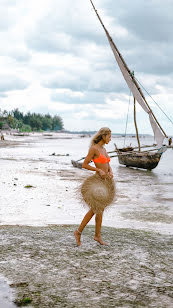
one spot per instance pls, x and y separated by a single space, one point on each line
55 58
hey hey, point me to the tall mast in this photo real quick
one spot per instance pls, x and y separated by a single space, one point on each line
137 135
128 70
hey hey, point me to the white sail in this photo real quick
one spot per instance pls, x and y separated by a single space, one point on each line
158 135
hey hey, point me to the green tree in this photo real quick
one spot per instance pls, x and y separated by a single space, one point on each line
5 113
11 121
35 122
57 123
17 114
46 123
1 124
30 121
25 128
26 119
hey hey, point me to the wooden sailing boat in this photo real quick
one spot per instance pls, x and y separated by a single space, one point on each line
130 157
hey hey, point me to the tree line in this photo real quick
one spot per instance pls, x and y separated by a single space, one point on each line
30 121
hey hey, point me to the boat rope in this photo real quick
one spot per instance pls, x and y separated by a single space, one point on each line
154 100
127 119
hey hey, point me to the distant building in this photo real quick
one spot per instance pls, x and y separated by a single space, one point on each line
6 127
3 119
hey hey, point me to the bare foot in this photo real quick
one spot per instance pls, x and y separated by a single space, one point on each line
77 236
99 240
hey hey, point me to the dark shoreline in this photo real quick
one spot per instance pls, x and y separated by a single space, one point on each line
45 265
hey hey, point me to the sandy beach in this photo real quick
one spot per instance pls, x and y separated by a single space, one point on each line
44 265
39 211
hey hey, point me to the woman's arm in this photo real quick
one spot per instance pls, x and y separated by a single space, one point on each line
110 171
88 159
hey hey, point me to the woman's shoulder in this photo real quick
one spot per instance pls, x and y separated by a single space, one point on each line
94 148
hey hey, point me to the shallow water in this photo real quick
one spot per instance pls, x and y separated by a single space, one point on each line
6 299
144 199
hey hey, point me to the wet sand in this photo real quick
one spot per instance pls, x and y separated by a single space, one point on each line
45 265
37 186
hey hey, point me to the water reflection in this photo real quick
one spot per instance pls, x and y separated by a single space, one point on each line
5 295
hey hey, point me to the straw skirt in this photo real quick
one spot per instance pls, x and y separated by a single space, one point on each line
98 193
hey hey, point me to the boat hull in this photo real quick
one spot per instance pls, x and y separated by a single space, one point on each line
76 164
139 160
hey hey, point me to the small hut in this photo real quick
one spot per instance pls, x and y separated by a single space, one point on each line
6 127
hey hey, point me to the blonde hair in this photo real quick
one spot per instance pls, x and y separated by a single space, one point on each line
98 136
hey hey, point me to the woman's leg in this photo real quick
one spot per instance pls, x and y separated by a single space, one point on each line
98 225
86 219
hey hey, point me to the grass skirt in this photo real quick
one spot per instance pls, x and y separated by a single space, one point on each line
98 193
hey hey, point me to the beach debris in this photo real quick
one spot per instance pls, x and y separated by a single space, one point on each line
29 186
54 154
85 135
76 164
19 284
2 137
23 302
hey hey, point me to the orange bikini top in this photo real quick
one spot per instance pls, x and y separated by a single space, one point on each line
102 159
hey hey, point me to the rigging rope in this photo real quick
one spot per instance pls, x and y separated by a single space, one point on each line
154 100
127 118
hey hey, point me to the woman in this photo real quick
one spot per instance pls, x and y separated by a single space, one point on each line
97 153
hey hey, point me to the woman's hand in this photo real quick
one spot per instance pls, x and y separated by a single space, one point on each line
110 174
102 173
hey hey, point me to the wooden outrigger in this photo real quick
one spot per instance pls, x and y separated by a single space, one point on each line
145 160
131 158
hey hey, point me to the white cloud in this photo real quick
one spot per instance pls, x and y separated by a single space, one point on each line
11 82
55 57
81 115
